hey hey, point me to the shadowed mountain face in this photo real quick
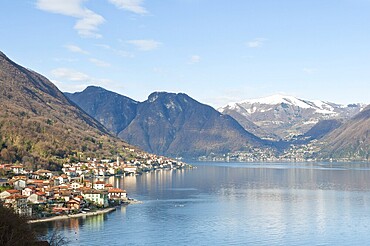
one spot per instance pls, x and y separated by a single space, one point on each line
112 110
318 131
167 123
351 140
322 128
38 123
177 125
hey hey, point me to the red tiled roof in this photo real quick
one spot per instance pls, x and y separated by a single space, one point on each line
36 181
43 171
116 190
15 196
63 186
73 201
13 191
17 166
15 178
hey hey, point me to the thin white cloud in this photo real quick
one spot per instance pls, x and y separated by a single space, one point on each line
256 43
124 53
76 49
58 59
69 74
160 71
71 80
121 53
87 20
309 70
99 63
103 46
134 6
88 25
145 44
69 87
194 59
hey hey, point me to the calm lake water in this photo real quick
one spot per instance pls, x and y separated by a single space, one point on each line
236 204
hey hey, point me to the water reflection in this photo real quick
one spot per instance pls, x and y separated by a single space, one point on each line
267 204
275 176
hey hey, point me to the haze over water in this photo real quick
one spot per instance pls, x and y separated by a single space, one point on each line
236 204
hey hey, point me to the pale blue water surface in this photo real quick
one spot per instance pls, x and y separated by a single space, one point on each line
236 204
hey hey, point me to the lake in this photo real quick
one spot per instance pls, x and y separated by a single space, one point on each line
235 204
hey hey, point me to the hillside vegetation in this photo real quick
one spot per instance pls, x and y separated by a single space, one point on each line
40 126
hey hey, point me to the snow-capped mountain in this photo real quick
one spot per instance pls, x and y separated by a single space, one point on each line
281 117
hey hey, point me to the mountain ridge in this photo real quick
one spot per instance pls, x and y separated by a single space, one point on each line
177 125
284 117
98 102
292 100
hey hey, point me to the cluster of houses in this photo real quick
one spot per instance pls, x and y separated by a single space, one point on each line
44 193
108 168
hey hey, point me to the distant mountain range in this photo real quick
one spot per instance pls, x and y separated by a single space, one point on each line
285 117
167 123
39 125
177 125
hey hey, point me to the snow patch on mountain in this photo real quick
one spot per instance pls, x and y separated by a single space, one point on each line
278 99
284 116
258 105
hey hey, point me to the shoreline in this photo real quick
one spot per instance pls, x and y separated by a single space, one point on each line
79 215
64 217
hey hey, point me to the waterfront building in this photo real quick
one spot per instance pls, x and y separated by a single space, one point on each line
98 197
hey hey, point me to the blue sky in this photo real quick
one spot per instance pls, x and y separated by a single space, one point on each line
215 51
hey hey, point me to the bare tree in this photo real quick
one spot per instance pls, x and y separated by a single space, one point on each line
14 229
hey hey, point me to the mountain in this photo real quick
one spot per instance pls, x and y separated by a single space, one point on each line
112 110
177 125
249 125
351 140
167 123
322 128
39 125
283 117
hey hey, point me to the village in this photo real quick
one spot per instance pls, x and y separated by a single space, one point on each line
79 188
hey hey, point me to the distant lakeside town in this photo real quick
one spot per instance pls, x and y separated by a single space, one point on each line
294 153
77 190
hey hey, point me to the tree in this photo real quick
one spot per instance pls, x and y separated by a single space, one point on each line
56 239
14 229
5 155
